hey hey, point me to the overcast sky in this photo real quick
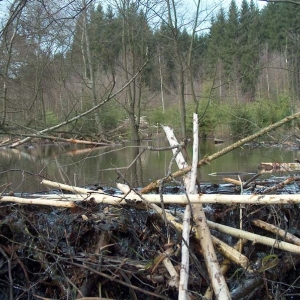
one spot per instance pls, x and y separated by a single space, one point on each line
205 3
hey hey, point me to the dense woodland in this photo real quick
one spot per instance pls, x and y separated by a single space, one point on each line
107 66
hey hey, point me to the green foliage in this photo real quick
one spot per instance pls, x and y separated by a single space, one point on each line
246 119
269 111
207 118
51 118
111 114
156 116
242 121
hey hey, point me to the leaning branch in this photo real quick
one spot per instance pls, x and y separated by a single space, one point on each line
20 142
208 159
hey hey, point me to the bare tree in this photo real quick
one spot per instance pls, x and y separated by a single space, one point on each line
9 35
88 62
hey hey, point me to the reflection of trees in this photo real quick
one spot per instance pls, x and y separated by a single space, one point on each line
134 174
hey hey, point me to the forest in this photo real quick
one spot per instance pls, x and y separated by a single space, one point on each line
116 70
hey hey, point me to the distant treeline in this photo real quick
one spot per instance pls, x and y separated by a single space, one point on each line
58 66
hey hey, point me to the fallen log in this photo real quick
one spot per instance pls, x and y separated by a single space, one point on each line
269 167
101 197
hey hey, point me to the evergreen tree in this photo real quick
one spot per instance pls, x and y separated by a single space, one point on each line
231 32
217 38
249 48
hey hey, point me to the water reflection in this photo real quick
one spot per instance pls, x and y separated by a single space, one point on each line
23 169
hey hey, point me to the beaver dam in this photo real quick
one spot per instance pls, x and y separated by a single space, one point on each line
172 239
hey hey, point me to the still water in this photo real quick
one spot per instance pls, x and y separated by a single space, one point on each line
21 170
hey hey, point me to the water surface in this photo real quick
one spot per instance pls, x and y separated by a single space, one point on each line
23 169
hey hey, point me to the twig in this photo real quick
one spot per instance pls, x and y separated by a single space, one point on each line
112 278
279 185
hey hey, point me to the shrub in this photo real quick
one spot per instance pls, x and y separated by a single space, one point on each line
111 114
51 118
242 122
156 116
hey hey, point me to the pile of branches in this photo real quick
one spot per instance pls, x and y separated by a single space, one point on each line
120 252
133 245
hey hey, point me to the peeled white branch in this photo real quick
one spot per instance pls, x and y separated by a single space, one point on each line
101 197
231 253
216 277
276 230
66 187
254 237
39 201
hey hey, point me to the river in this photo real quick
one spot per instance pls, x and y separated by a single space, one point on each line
23 169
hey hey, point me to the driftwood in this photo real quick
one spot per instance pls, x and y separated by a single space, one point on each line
64 140
101 197
276 230
269 190
269 167
189 185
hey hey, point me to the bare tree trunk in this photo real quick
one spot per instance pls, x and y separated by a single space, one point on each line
175 31
8 45
90 66
190 58
131 90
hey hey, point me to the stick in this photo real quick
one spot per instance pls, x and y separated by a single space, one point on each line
189 182
40 201
231 253
280 185
254 237
66 187
101 197
274 229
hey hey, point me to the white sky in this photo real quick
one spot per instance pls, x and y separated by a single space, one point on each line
207 3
